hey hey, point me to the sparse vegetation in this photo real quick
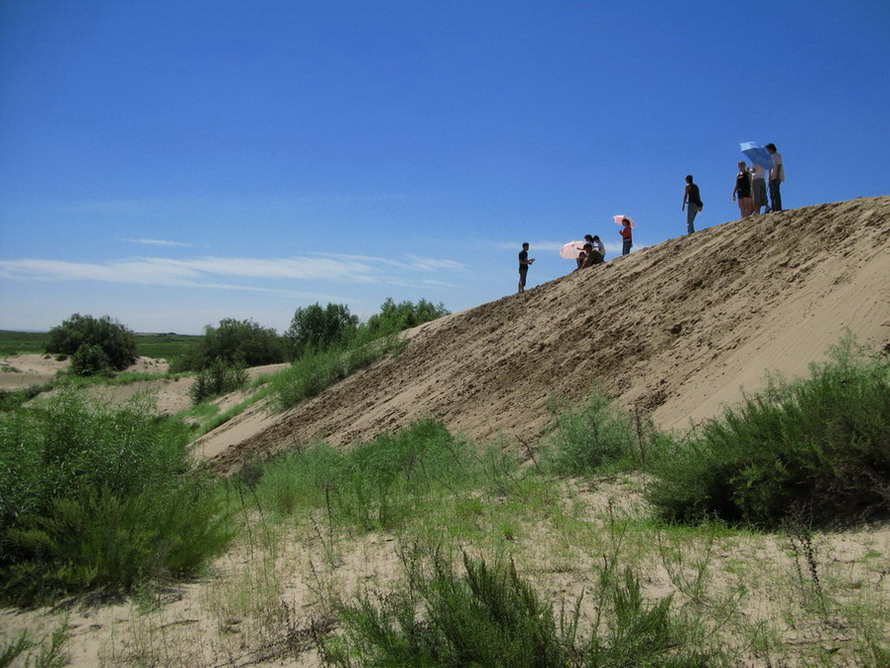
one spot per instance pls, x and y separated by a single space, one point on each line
218 378
94 497
818 447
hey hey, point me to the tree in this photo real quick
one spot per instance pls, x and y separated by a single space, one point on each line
317 327
236 342
396 317
84 334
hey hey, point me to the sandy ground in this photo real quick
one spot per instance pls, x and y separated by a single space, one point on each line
678 330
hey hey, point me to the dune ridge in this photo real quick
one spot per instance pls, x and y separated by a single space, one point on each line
677 330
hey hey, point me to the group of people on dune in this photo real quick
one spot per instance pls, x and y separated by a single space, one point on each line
750 191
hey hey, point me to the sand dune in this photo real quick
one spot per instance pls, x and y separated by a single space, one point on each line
678 330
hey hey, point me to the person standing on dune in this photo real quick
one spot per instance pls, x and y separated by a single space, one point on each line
776 176
743 189
692 199
524 264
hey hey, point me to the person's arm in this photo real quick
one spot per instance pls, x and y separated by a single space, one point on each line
735 189
685 195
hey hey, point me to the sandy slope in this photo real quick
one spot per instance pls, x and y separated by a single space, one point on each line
678 330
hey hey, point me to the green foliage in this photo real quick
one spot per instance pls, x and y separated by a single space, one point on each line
593 437
489 616
317 328
21 343
394 317
818 447
12 399
238 342
92 496
90 360
378 484
216 379
81 334
318 369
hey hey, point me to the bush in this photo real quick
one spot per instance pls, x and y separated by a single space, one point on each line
237 342
489 616
95 496
394 317
90 360
82 334
375 485
216 379
318 369
818 447
595 436
317 328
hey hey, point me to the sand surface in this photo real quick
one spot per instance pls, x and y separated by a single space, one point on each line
678 330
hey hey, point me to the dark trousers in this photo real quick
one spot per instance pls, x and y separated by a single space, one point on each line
775 196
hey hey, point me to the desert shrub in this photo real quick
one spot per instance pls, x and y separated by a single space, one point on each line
489 616
83 334
238 342
318 369
594 436
377 484
394 317
216 379
90 360
818 447
317 328
96 496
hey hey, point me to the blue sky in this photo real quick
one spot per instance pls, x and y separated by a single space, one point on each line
172 163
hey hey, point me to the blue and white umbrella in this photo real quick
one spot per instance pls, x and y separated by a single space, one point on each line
757 154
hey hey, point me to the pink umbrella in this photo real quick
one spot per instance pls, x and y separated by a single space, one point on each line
618 220
571 250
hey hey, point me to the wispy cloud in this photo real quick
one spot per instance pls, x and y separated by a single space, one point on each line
158 242
231 273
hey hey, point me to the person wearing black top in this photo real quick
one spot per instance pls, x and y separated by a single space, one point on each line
524 264
744 190
692 196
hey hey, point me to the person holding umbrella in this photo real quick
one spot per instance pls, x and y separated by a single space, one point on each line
692 195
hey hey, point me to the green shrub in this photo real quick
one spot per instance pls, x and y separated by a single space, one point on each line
81 334
489 616
317 370
238 342
393 318
378 484
98 496
595 436
317 328
818 447
216 379
90 360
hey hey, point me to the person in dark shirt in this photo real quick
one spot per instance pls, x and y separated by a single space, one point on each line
524 263
691 198
744 189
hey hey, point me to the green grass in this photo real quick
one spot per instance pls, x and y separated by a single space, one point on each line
159 346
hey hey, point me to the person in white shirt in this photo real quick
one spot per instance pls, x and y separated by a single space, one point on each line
776 176
759 187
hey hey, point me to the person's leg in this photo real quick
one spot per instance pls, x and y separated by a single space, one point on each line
775 196
625 249
522 275
691 210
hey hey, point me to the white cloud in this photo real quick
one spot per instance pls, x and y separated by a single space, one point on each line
223 273
158 242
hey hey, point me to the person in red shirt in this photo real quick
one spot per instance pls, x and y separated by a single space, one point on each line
627 236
